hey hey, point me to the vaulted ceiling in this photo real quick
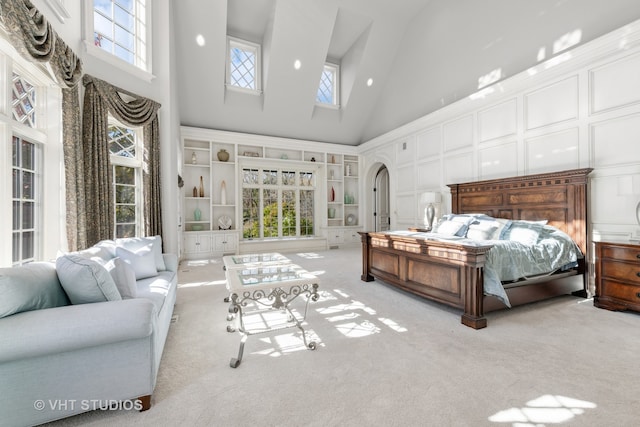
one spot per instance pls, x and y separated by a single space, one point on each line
420 54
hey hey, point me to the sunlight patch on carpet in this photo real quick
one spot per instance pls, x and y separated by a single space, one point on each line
358 330
546 409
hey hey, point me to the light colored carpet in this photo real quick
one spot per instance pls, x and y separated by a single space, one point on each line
386 358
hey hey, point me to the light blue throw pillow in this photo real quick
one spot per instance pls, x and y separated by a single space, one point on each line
85 280
142 261
30 287
134 244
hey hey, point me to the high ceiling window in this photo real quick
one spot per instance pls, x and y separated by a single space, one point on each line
243 65
120 28
328 91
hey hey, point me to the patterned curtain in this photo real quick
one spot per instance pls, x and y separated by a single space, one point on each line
35 40
100 99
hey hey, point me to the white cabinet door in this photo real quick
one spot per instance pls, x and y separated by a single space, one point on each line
197 243
225 243
335 237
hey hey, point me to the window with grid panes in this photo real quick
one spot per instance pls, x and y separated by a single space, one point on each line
277 202
120 28
243 65
23 101
124 147
328 90
26 168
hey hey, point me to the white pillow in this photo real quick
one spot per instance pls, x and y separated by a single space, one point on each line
85 280
143 261
481 231
136 243
449 228
124 277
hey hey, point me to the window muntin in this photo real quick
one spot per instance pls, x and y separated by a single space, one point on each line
243 65
329 84
277 202
23 101
119 27
124 147
26 182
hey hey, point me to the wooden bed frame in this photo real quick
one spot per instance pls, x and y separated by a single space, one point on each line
452 273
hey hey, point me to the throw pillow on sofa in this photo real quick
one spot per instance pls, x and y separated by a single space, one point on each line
134 244
142 261
124 277
30 287
85 280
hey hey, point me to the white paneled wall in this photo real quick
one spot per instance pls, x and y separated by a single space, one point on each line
579 109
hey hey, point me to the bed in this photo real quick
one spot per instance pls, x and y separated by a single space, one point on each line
452 272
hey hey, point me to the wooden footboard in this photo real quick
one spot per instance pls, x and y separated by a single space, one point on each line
445 272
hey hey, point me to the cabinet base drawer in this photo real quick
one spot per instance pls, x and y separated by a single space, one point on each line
618 296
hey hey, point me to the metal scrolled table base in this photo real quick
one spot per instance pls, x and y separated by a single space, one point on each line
276 298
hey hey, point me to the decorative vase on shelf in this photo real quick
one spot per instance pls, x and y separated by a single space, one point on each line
333 194
195 191
201 186
223 155
194 158
197 214
223 193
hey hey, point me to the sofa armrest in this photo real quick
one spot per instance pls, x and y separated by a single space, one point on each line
171 262
55 330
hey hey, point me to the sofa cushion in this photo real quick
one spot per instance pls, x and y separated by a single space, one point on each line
142 261
30 287
124 277
85 280
134 244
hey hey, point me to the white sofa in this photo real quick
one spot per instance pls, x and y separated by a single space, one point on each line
62 352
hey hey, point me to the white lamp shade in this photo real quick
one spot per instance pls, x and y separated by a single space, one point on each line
430 197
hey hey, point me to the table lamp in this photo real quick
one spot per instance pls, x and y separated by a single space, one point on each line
428 199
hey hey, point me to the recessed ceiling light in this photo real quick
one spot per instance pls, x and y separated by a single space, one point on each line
369 81
200 40
297 64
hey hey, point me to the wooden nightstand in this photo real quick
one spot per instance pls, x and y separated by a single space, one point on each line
617 276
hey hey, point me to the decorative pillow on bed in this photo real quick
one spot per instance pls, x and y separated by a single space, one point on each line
525 232
458 228
450 228
483 230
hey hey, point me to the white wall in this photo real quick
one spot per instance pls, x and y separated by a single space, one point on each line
578 109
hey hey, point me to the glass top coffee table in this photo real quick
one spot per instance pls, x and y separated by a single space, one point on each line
256 288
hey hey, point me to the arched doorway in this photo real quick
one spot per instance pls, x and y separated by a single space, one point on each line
381 205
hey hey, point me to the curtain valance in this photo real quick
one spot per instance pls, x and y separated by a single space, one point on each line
35 39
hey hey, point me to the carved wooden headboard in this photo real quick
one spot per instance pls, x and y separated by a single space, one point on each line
559 197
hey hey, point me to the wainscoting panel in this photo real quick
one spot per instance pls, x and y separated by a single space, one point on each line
616 142
555 103
428 143
613 206
498 121
458 133
429 174
406 178
555 151
407 208
607 92
405 150
458 168
498 162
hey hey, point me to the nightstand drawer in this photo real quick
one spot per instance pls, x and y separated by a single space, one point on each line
621 271
621 291
621 253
